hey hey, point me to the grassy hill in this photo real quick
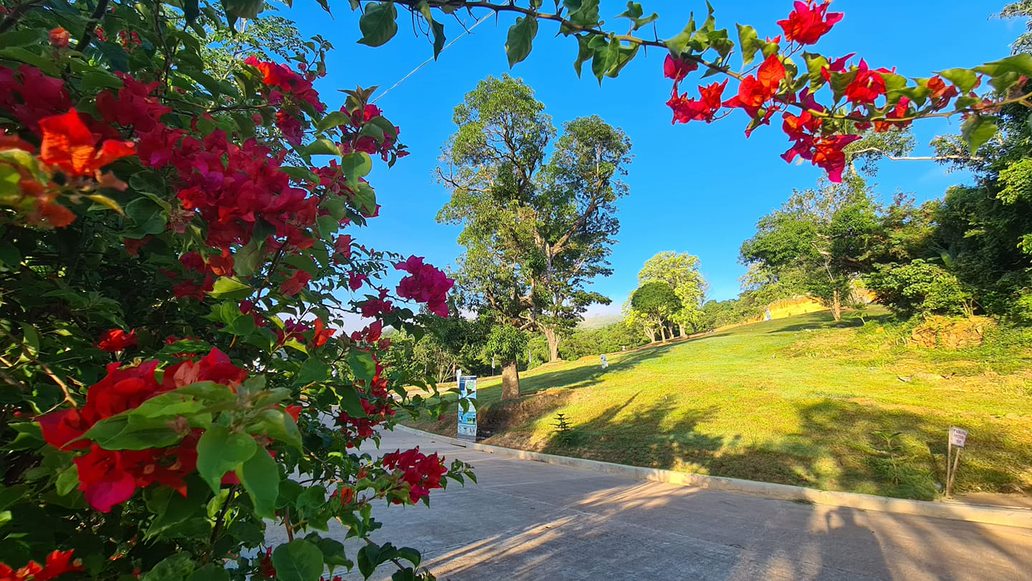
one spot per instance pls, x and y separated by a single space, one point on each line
797 401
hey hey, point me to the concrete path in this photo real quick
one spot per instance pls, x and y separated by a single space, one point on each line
529 520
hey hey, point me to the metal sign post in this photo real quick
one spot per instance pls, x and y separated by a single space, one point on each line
957 440
467 424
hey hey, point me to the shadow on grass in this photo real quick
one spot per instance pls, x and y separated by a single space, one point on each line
842 445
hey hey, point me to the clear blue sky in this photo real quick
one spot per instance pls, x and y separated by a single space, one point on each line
694 188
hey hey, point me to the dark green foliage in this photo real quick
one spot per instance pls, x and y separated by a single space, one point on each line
594 342
919 288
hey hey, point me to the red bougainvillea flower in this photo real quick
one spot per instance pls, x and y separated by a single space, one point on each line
824 151
867 86
900 111
57 563
296 283
702 109
59 37
321 334
755 91
283 79
677 69
940 93
116 340
69 146
420 472
425 284
808 22
215 366
110 477
133 106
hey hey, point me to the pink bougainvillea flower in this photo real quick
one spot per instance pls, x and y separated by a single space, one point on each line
425 284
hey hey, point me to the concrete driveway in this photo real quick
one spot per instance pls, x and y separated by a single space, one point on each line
529 520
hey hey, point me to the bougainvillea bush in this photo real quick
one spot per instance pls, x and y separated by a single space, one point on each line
177 253
179 246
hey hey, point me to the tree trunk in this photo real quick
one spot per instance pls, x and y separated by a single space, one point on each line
836 305
510 381
553 344
662 333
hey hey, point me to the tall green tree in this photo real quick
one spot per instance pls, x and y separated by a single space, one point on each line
681 271
822 238
536 229
653 306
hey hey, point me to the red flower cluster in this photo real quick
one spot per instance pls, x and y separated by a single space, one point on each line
754 92
807 23
115 340
425 284
824 151
702 109
57 563
285 82
420 472
69 146
867 85
29 95
110 477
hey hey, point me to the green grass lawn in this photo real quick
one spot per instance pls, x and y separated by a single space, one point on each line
797 401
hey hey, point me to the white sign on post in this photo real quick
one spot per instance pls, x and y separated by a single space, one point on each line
958 437
467 424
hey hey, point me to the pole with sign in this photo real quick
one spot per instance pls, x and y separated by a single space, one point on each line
957 439
467 424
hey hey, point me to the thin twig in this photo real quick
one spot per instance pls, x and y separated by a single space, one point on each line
91 25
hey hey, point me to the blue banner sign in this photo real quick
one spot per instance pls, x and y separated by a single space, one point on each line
468 410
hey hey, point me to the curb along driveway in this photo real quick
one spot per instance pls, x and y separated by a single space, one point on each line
530 520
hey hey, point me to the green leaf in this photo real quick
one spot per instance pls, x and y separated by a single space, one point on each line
298 560
977 130
220 451
964 79
247 259
320 146
126 432
147 218
312 371
191 9
331 120
236 9
333 553
67 480
227 287
171 404
583 12
748 42
176 567
439 38
210 572
355 165
520 39
350 402
634 13
277 425
362 365
260 477
378 23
